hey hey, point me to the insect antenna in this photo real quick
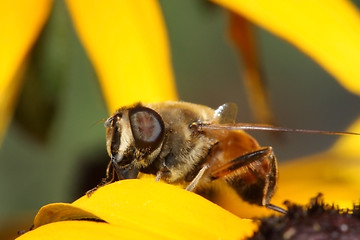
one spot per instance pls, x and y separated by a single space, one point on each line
97 122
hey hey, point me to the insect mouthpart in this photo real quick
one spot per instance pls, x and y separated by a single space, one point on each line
127 172
117 158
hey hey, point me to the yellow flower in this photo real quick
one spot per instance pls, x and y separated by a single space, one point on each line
139 209
130 54
326 31
136 209
19 26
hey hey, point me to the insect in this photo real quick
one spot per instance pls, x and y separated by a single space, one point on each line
193 145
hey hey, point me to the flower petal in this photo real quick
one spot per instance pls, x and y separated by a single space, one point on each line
335 173
87 230
349 145
163 208
242 36
328 31
147 206
57 212
20 24
127 42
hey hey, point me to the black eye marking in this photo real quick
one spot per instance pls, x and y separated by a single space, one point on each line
147 127
115 132
115 141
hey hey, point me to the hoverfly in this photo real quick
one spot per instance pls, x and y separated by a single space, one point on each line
194 145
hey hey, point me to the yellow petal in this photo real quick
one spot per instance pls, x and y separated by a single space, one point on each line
164 208
87 230
20 24
57 212
335 173
349 145
127 43
242 36
149 207
328 31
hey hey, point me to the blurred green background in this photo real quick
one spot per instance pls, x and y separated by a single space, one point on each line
62 98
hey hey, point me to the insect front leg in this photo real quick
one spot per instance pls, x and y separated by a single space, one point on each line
197 178
112 171
110 177
163 172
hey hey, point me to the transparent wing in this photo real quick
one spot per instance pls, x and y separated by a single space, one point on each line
226 113
266 127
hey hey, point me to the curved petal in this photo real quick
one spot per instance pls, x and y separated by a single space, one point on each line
87 230
335 173
328 31
163 210
349 145
20 24
57 212
243 38
126 40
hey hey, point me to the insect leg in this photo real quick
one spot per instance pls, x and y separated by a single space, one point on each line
159 175
164 170
110 177
275 208
242 161
197 178
256 192
117 168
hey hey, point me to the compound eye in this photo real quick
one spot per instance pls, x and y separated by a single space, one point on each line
147 127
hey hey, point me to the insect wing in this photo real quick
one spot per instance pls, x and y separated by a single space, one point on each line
266 127
226 113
